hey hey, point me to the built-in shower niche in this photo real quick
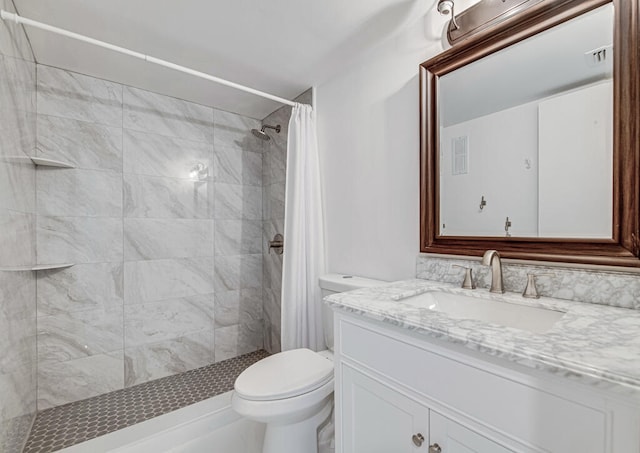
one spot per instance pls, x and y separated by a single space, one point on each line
38 162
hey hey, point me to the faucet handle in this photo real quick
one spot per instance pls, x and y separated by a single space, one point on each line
530 290
467 283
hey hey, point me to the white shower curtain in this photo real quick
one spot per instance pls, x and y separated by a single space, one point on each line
304 253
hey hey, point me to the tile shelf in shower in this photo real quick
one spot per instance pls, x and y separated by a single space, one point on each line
50 163
39 161
37 267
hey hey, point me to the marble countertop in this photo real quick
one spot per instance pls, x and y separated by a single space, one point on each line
597 344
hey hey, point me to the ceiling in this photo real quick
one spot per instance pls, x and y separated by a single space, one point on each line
279 46
546 64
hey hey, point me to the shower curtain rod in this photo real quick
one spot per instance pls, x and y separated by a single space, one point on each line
60 31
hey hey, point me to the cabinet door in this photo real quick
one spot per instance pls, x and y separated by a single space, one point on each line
378 419
454 438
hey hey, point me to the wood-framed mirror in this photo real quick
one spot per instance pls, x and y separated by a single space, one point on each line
613 191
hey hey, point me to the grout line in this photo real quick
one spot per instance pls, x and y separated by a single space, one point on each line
83 121
174 98
36 277
212 204
266 147
122 151
24 31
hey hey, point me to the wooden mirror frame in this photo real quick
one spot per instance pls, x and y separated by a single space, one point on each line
623 249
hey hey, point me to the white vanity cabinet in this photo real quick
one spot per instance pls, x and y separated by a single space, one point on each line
378 418
399 392
449 436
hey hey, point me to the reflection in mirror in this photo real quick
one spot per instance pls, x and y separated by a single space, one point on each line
525 137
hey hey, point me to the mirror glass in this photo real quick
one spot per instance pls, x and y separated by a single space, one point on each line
525 137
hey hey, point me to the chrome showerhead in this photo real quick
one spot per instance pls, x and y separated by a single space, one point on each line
262 135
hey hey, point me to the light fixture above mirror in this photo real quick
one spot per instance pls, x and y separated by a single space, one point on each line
480 16
445 7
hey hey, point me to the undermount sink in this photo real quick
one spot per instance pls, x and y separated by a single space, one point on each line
532 319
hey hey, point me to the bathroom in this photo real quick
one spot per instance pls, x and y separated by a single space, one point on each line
141 275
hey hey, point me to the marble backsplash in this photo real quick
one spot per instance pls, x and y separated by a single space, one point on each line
614 288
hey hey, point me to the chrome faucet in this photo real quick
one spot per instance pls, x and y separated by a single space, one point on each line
492 258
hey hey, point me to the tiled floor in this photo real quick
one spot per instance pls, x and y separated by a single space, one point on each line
73 423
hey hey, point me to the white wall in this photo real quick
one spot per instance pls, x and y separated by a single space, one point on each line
574 130
368 132
498 146
576 138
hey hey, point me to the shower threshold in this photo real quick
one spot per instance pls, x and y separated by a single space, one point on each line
187 399
210 425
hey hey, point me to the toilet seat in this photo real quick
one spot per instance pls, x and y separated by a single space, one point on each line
284 375
287 410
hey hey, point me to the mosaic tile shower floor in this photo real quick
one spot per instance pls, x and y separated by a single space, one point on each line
67 425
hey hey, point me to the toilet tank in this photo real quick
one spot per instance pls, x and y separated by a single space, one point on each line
338 283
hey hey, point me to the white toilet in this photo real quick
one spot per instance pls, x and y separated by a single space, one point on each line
292 391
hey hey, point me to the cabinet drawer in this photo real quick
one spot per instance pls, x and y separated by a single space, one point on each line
534 417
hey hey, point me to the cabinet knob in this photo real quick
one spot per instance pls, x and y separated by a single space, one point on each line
418 439
435 448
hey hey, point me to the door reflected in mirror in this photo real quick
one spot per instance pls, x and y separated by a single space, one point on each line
525 137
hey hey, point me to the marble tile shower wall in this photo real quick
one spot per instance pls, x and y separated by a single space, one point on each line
168 273
274 175
17 236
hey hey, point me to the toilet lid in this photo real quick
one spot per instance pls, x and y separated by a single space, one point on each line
284 375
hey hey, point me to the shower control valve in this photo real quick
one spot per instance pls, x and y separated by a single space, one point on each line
277 243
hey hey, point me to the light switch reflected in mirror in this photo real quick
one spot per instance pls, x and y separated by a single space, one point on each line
530 128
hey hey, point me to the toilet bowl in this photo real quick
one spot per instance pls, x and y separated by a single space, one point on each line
292 391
